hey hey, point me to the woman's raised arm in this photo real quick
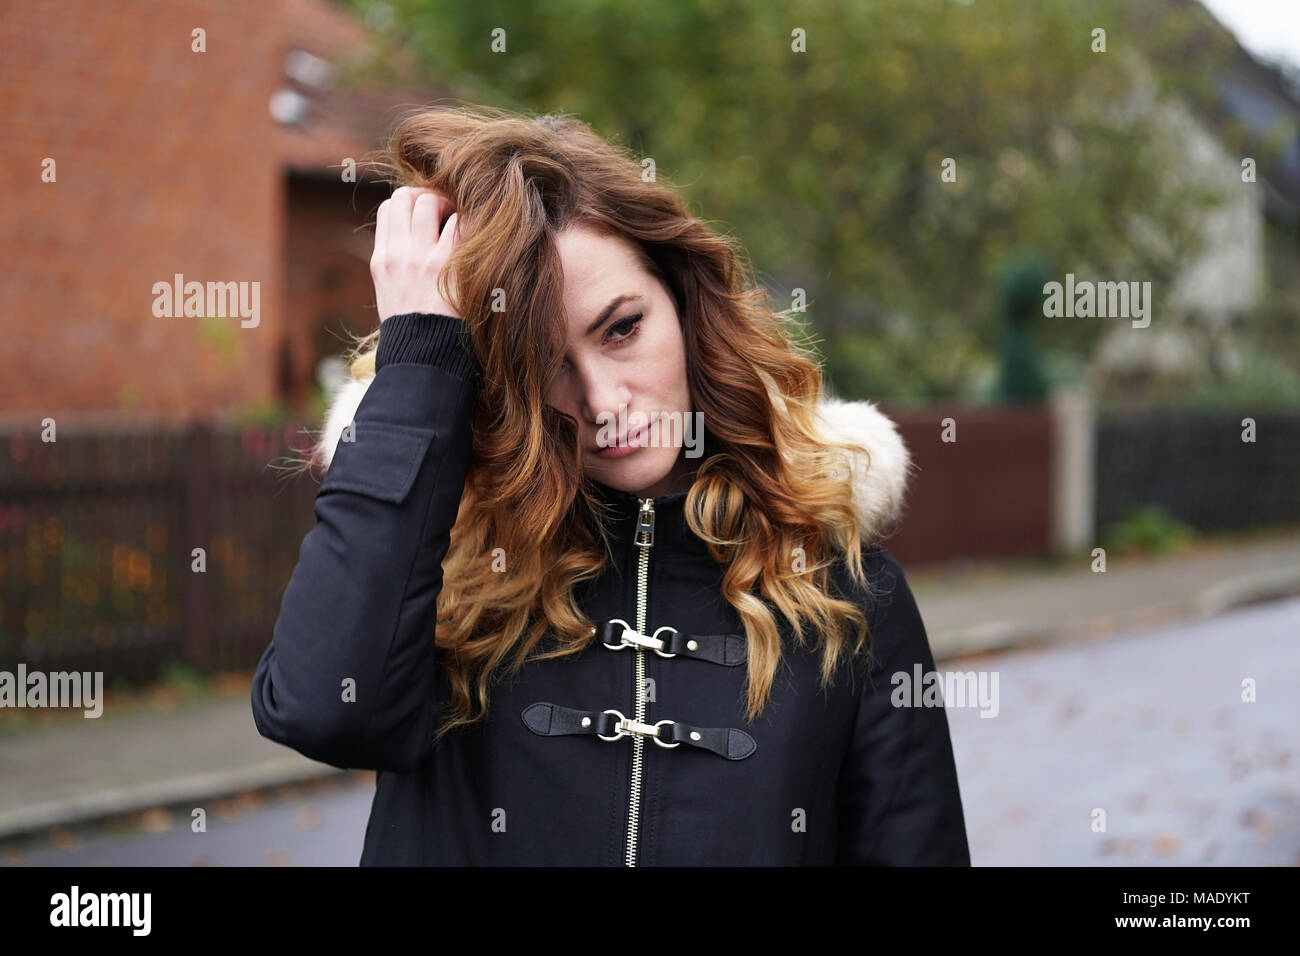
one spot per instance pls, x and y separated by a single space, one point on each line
348 678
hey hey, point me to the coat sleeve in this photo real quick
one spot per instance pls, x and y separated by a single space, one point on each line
348 678
899 802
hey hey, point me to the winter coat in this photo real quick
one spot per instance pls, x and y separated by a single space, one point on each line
634 752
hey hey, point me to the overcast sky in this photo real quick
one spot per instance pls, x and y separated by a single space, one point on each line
1268 28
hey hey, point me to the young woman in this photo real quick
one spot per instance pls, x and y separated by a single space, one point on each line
595 577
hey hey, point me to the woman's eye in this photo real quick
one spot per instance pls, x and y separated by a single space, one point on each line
627 328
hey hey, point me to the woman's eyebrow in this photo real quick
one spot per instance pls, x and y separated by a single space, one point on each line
606 312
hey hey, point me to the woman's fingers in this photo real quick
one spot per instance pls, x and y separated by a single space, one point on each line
398 223
417 215
446 242
424 220
450 234
416 230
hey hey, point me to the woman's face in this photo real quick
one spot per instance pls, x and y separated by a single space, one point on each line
625 351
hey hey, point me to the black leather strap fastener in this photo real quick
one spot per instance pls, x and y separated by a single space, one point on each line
725 649
729 742
549 720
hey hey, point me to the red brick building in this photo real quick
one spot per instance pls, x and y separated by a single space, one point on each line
139 148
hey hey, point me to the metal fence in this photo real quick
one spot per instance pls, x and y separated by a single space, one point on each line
1195 466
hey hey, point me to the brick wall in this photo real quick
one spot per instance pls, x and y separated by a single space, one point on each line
163 167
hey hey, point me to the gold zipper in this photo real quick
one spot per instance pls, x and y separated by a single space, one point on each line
645 538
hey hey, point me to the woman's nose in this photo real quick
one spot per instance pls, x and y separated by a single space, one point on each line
602 398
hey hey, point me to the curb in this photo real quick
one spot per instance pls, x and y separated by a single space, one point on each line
997 637
104 804
1245 589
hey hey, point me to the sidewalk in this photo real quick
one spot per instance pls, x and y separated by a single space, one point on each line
984 607
135 757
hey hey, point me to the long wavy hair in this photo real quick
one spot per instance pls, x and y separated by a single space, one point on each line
772 500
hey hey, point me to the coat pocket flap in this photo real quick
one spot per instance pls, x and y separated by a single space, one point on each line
382 460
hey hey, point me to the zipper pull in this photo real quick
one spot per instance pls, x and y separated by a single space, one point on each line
645 523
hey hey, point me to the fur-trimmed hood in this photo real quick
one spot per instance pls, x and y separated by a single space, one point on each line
879 485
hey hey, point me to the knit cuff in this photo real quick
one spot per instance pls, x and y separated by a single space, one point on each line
425 338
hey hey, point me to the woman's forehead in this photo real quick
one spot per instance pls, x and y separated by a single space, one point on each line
586 253
595 272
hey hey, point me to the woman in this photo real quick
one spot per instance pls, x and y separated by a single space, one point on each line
562 630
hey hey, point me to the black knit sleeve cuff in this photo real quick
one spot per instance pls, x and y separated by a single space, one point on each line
425 338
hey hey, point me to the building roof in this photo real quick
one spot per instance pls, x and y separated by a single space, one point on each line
323 117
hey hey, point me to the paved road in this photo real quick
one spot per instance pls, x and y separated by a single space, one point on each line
1149 728
321 824
1153 730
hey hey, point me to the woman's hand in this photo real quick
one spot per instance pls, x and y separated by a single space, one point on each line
414 237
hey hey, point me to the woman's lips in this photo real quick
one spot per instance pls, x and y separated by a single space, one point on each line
626 447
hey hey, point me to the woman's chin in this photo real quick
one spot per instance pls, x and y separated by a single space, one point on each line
651 477
634 473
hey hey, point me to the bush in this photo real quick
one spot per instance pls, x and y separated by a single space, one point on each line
1149 530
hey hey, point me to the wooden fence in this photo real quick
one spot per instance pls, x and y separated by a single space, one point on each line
126 550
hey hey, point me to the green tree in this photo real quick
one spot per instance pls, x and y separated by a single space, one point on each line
827 159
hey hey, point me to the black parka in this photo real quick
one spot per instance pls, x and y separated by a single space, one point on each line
634 752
